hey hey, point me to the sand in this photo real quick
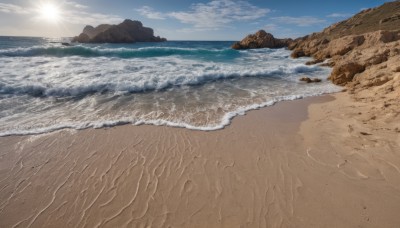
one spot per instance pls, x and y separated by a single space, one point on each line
307 163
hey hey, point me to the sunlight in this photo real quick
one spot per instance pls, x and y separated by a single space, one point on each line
50 12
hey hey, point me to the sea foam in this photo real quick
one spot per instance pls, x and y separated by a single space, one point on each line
199 86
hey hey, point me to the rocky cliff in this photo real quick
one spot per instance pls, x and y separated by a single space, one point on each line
364 52
127 32
261 39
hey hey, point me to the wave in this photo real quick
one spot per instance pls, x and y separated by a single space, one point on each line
225 121
146 84
127 53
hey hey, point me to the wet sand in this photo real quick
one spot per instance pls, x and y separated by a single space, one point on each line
304 163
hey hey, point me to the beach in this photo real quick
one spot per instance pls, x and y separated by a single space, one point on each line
314 162
216 113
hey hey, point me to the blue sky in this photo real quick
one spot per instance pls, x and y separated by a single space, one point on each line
180 20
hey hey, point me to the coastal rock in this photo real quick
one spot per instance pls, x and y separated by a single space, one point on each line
82 38
261 39
297 53
363 50
127 32
343 74
315 61
309 80
92 32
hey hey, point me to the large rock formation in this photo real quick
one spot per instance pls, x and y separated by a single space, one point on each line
261 39
364 52
372 32
127 32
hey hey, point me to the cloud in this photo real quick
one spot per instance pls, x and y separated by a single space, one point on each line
299 21
72 12
85 18
270 27
150 13
76 5
219 13
11 8
76 13
339 15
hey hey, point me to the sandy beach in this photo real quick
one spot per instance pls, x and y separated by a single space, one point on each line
313 162
199 114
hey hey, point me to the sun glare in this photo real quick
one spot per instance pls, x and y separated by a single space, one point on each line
50 12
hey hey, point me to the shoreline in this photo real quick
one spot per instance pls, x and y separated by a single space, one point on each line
225 122
293 164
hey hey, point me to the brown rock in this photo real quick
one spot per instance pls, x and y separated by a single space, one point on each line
261 39
82 38
309 80
237 46
343 74
313 62
387 36
127 32
297 53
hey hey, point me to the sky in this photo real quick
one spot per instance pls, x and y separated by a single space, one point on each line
177 19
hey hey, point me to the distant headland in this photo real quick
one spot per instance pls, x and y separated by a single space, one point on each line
128 31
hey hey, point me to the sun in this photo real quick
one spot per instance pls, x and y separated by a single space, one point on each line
50 12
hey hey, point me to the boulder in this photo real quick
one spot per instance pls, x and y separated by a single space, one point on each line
297 53
342 74
315 61
261 39
127 32
309 80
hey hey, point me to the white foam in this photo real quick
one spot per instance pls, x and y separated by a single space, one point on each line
46 94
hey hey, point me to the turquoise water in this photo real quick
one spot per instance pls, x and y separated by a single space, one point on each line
201 85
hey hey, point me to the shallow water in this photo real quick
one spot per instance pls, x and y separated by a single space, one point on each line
198 85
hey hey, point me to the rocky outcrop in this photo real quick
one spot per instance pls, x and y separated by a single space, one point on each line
343 74
364 52
127 32
261 39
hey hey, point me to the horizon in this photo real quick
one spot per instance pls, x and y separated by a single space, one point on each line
214 20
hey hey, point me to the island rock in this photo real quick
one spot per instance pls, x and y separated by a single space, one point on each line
261 39
127 32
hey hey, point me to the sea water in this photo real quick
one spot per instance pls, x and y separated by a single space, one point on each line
200 85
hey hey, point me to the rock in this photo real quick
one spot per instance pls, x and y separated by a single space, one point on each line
297 53
237 46
309 80
378 58
343 37
92 32
261 39
127 32
82 38
313 62
343 74
343 45
387 36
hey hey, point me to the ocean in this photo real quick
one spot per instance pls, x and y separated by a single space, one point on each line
199 85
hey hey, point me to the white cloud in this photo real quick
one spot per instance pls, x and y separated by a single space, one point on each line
270 27
339 15
299 21
76 5
219 13
87 18
76 13
72 12
11 8
150 13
